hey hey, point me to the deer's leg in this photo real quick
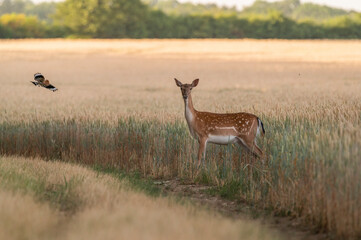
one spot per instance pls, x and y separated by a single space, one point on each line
242 144
256 150
250 146
202 149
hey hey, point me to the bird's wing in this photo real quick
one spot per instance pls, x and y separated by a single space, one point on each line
39 77
35 83
51 87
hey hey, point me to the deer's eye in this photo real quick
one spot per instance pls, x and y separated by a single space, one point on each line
191 88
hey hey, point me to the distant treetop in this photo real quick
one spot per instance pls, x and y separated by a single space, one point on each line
293 9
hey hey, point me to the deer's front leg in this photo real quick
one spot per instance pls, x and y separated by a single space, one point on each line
202 149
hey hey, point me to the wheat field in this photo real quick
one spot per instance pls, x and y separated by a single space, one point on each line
118 106
53 200
106 79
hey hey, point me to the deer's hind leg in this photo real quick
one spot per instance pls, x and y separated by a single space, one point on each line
250 146
256 150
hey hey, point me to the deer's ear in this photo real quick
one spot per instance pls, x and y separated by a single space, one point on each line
195 83
179 84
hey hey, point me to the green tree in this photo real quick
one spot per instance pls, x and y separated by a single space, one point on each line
43 11
103 18
5 32
14 6
22 26
317 12
159 25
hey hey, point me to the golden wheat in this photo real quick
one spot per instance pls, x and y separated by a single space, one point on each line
107 79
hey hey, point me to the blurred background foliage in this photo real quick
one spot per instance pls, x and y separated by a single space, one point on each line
287 19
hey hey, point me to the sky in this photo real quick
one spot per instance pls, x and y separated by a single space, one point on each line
346 4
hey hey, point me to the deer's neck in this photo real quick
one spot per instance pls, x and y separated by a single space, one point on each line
190 113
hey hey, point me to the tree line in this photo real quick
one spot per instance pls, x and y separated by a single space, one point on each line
293 9
134 19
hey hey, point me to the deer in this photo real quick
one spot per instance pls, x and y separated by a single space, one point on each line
220 128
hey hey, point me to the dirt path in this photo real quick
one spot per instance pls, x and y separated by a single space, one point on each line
291 229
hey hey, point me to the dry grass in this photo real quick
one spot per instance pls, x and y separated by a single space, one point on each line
109 209
23 218
308 93
106 79
326 51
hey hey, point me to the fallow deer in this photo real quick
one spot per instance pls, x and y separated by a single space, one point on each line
241 128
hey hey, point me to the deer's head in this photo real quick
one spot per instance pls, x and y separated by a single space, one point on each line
186 89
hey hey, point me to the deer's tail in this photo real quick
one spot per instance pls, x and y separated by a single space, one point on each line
260 128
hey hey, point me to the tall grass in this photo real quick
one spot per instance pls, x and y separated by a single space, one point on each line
312 169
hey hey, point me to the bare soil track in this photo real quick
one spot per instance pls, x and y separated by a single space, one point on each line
290 228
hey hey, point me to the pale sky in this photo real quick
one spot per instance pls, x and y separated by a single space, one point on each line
346 4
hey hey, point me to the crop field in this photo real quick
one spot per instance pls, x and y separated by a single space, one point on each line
118 107
54 200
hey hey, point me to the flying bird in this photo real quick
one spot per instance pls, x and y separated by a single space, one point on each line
40 81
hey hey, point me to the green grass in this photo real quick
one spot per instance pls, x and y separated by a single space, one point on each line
135 180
